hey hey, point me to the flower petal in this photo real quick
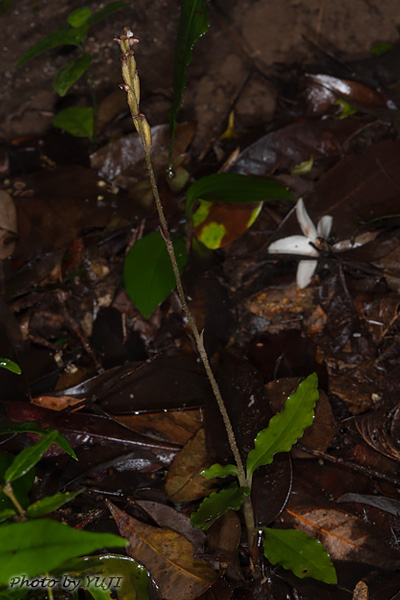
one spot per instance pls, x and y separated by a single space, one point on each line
307 226
294 244
324 226
305 271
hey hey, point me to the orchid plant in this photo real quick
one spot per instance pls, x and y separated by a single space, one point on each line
308 244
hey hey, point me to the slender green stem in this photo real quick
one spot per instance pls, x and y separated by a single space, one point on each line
9 492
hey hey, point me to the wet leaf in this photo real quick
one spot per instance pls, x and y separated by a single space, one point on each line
148 274
193 24
21 486
167 555
28 457
78 121
217 504
71 72
300 553
79 16
64 36
235 188
184 481
287 427
42 545
50 503
218 470
10 365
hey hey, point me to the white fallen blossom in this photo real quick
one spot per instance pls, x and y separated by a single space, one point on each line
304 245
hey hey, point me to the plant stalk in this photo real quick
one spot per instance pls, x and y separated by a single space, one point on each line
132 87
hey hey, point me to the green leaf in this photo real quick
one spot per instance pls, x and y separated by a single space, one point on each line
10 365
217 504
217 470
382 48
20 487
50 503
300 553
104 12
233 187
41 545
285 428
13 594
64 36
77 121
27 458
32 427
79 16
192 25
70 73
148 274
130 579
6 514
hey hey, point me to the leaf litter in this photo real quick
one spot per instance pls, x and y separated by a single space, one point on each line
133 411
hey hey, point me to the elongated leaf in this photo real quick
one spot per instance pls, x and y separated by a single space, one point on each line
20 487
285 428
217 504
233 187
65 36
192 25
41 545
218 470
167 555
32 427
297 551
78 121
104 12
79 16
27 458
50 503
10 365
6 514
148 274
70 73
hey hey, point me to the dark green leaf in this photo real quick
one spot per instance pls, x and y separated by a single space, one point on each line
148 274
217 470
104 12
233 187
297 551
217 504
5 514
70 73
27 458
192 25
20 487
15 593
75 120
64 36
41 545
79 16
133 579
32 427
285 428
10 365
50 503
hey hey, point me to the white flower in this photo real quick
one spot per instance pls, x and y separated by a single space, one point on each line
304 244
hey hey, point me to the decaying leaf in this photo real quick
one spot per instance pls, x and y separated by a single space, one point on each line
184 482
167 555
8 225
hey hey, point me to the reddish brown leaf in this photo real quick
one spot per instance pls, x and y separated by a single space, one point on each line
168 557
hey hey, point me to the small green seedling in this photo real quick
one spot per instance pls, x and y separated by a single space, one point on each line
78 121
32 546
293 549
